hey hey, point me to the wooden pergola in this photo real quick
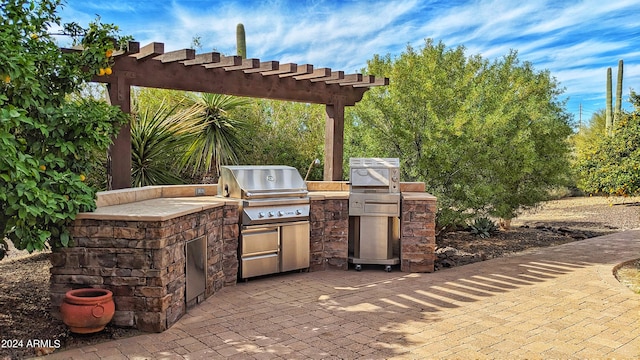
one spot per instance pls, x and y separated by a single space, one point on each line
150 66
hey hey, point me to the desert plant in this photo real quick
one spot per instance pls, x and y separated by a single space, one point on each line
241 43
609 107
617 111
159 135
612 166
218 142
613 114
483 227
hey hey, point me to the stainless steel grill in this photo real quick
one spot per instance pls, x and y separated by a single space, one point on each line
374 210
274 223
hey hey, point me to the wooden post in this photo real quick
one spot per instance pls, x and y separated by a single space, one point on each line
334 140
119 156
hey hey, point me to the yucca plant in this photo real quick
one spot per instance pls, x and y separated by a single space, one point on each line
159 136
218 142
483 227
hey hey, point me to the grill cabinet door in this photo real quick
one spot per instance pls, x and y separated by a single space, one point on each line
295 247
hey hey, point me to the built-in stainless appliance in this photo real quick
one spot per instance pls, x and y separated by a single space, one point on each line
374 210
196 255
274 220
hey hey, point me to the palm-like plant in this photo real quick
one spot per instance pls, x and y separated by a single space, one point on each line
218 143
159 135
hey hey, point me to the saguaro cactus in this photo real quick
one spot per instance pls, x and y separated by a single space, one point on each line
618 109
609 119
241 44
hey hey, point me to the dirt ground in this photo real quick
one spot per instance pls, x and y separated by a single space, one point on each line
552 223
24 278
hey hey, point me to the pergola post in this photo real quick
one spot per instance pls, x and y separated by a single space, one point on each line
119 156
334 139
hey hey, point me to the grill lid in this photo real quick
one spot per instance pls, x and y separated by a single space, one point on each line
261 181
375 174
374 162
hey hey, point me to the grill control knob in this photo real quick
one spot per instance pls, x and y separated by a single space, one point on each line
261 214
280 213
272 214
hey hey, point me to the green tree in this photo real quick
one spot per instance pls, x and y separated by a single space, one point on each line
585 141
48 144
284 133
485 137
591 132
612 166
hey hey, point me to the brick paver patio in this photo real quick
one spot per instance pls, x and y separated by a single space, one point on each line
558 302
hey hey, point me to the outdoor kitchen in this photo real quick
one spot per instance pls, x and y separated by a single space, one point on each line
163 249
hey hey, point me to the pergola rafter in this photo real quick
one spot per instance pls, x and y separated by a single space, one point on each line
150 66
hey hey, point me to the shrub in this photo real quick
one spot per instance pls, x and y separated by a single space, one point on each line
48 144
486 137
611 166
483 227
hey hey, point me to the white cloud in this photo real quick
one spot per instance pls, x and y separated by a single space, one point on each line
574 40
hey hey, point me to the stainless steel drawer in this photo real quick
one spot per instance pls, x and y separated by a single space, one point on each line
259 265
374 204
260 240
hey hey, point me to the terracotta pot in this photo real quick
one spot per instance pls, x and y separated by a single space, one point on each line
87 311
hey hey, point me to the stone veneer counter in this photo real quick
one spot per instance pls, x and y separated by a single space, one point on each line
134 244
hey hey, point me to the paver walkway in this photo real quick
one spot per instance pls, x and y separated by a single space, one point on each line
558 302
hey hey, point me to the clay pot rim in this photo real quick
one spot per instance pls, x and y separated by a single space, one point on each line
80 296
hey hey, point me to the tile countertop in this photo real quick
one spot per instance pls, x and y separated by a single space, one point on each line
333 186
158 209
160 203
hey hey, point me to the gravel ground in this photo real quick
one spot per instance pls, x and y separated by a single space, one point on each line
24 278
553 223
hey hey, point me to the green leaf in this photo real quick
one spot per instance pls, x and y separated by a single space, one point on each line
42 122
64 239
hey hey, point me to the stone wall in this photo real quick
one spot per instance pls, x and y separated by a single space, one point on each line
329 238
143 263
417 232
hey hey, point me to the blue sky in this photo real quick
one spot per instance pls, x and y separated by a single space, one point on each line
575 40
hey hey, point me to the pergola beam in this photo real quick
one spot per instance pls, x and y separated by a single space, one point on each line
150 50
179 55
200 59
219 79
149 66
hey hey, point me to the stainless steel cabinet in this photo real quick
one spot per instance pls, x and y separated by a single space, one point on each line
274 248
294 249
